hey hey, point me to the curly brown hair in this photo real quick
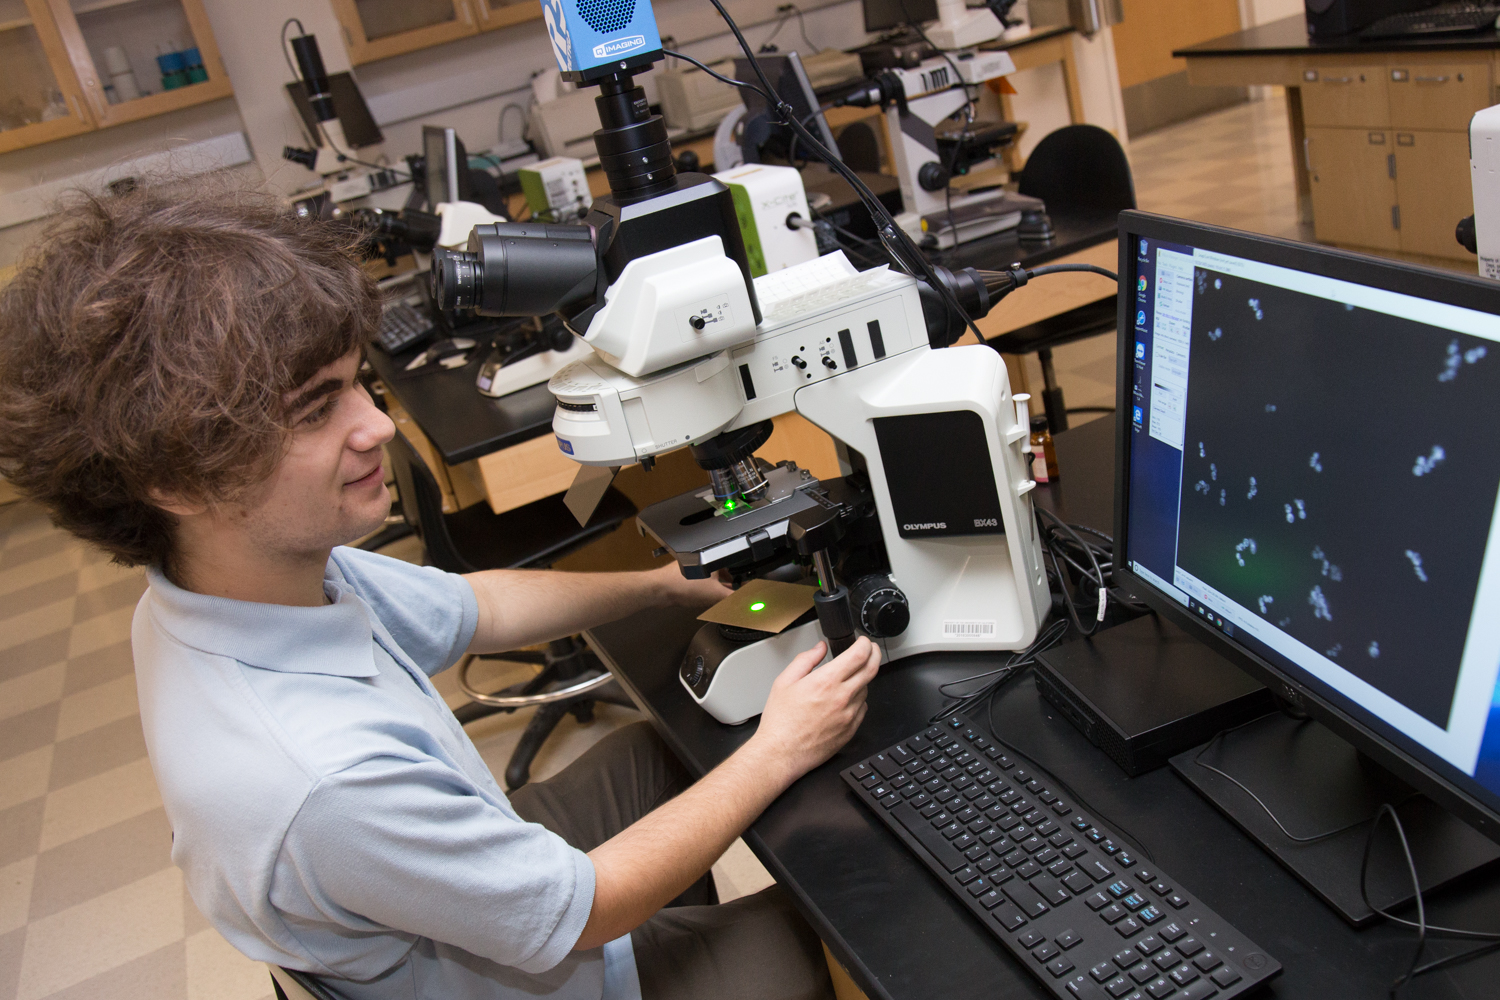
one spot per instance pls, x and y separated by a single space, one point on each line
147 344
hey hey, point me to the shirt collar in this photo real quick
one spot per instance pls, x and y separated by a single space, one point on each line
337 638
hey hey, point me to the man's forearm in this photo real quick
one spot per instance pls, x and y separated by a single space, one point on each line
521 607
645 866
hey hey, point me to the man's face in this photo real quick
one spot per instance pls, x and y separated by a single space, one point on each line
329 487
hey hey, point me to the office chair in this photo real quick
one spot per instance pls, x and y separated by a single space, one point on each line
290 984
533 536
1081 168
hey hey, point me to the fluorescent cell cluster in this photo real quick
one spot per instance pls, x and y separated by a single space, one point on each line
1319 604
1255 307
1374 650
1416 565
1426 463
1239 554
1316 462
1253 489
1265 602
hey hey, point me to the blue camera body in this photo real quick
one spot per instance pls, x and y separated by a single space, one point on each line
594 38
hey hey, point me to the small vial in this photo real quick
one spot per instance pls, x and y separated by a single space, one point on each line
1043 453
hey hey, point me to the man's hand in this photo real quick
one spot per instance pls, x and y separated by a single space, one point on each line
677 590
813 711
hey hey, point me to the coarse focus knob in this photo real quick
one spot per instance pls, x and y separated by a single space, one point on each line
880 606
696 322
798 363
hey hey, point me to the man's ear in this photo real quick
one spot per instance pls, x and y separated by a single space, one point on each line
176 506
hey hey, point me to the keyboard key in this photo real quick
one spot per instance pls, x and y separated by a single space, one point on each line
1118 987
1149 944
885 765
1094 834
1080 823
1046 952
974 792
1045 856
1029 869
952 831
981 744
1033 786
1134 901
1113 912
890 800
1009 795
1059 868
984 802
1177 900
929 838
1142 972
1097 901
1160 988
918 743
931 754
1225 977
1127 927
975 853
1032 844
1108 846
1167 959
947 770
1207 962
933 785
961 782
1097 870
965 875
1125 858
945 740
1060 966
1171 933
991 899
992 835
915 795
1118 889
966 815
1050 890
1074 850
987 864
1008 916
930 810
860 772
1201 990
1184 974
979 887
1008 822
1047 795
1077 881
1160 888
1061 808
1188 947
945 795
900 781
964 842
1068 939
1031 939
870 780
1036 817
1103 972
1146 877
901 754
940 819
1016 858
1060 838
880 790
921 775
1045 828
1020 893
1125 959
1149 915
974 769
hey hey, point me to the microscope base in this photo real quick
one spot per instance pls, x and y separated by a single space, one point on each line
731 678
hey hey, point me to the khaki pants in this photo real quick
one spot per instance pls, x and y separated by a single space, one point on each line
756 947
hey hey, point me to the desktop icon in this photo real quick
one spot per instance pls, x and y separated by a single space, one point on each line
1143 248
1138 415
1140 284
1140 318
1140 350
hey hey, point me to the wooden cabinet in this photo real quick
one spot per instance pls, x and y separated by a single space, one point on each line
376 29
1431 192
1345 96
1438 96
76 65
1353 173
40 97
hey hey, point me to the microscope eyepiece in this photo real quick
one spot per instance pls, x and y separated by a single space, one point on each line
517 269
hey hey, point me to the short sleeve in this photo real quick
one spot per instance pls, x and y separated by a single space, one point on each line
431 614
395 844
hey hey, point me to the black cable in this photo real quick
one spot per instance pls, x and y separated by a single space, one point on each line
720 77
896 241
1416 885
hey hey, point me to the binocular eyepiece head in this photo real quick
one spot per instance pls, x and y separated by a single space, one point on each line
517 269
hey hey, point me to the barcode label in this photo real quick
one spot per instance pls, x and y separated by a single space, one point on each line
969 630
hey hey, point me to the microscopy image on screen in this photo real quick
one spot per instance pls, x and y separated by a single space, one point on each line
1340 471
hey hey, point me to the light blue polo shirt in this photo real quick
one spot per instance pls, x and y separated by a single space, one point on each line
330 814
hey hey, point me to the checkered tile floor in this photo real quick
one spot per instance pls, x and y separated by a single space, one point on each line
90 905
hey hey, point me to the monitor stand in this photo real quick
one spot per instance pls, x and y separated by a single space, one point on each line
1315 782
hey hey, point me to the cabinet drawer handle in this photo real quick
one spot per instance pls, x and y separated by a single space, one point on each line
77 111
1338 79
1432 79
468 15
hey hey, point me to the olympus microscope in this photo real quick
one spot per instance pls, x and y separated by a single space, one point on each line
926 542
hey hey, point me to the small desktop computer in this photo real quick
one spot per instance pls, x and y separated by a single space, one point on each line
1306 482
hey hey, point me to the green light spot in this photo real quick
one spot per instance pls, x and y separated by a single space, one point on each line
758 606
730 505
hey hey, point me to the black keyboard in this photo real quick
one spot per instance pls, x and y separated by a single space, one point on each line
402 325
1057 888
1444 19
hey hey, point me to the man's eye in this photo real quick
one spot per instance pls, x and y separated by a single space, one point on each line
321 413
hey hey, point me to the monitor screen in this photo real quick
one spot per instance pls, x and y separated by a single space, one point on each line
883 15
1309 472
789 78
447 165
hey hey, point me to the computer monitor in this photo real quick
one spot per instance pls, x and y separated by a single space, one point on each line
789 78
883 15
447 165
349 104
1307 474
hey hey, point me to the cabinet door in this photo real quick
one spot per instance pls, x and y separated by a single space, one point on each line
1434 190
1438 97
494 14
40 99
375 29
138 58
1346 97
1353 187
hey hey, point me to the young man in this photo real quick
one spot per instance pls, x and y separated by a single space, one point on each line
178 385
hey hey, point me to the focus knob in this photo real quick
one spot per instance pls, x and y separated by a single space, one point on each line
880 607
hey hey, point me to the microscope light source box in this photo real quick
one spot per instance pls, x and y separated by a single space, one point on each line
764 196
